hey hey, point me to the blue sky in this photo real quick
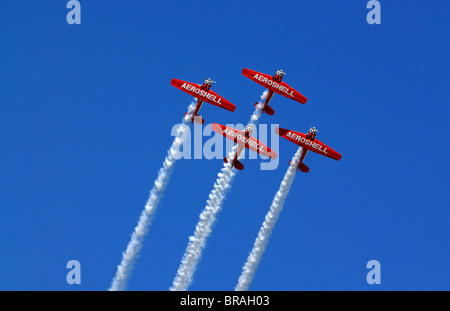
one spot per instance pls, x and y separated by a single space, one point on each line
87 112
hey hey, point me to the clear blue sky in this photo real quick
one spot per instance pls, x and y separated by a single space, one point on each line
85 121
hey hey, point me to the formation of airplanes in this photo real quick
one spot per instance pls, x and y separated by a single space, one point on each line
244 139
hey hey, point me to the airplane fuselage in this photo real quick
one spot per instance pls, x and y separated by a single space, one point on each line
197 108
268 99
303 155
266 107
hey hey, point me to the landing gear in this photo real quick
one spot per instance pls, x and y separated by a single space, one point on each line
206 87
207 84
278 76
312 133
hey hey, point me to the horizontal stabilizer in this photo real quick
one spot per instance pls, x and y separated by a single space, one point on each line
303 168
269 110
238 165
199 120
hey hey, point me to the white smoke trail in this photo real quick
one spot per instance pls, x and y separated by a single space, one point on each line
208 216
249 269
134 246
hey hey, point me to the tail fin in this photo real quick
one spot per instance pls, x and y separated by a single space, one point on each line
199 120
238 165
302 167
269 110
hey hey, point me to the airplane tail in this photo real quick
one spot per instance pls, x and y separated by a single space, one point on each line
197 119
268 110
237 164
302 167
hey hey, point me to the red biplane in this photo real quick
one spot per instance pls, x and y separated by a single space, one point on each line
243 139
274 85
203 93
309 143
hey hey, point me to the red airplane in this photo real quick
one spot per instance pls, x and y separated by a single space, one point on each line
308 142
275 85
243 139
203 94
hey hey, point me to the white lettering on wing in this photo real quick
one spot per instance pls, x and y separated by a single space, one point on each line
197 91
274 85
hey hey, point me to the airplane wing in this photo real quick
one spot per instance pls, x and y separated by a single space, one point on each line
314 146
208 96
238 137
281 88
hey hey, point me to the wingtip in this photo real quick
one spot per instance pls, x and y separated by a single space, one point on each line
247 72
216 127
280 131
176 82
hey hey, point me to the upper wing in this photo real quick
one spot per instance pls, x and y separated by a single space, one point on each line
301 140
207 96
238 137
281 88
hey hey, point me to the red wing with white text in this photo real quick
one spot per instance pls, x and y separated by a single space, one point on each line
203 93
274 85
309 143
